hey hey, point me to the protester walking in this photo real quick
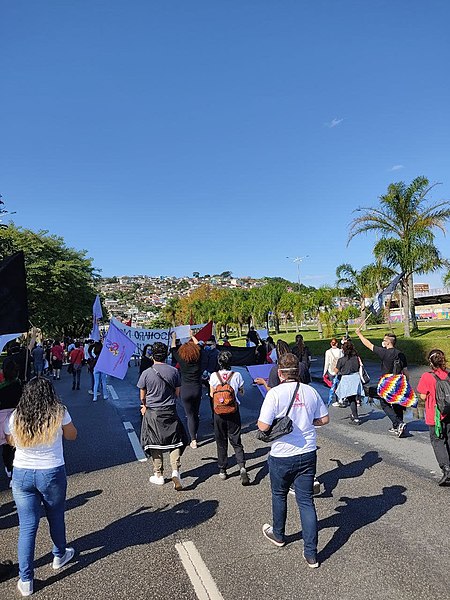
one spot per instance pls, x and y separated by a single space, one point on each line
292 458
38 357
392 361
350 386
301 351
438 423
162 428
146 358
332 355
57 355
76 360
10 393
188 356
99 376
36 428
225 388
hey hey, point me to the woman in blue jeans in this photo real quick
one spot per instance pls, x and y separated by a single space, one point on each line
36 429
292 458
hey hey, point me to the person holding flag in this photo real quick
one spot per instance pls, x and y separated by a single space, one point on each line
392 361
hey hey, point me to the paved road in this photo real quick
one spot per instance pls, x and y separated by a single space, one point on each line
382 534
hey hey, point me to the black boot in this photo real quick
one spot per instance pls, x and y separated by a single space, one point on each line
445 476
73 386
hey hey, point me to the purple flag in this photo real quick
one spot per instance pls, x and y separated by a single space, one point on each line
117 351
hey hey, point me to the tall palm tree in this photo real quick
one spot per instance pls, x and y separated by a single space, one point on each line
406 221
364 283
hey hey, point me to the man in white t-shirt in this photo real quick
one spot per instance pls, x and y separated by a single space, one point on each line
292 458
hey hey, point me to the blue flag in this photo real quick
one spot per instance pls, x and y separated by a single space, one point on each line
378 301
116 352
97 315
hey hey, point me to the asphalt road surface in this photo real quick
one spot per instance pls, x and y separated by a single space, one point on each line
383 520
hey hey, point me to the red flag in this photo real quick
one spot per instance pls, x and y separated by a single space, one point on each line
128 323
205 333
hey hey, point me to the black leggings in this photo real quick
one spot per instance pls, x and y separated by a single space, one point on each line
191 395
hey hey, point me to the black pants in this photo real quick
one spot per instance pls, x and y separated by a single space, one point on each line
228 427
441 446
76 377
191 395
393 411
8 456
352 401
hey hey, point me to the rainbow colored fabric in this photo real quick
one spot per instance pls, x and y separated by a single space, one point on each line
395 389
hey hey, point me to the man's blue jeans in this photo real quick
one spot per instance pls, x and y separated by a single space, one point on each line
30 487
298 471
99 376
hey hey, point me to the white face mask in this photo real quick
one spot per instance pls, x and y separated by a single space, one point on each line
383 343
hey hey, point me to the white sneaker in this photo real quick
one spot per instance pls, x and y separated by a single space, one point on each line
337 404
157 479
177 483
94 399
25 587
60 562
193 444
91 392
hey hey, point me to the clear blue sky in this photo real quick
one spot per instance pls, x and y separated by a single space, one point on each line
172 137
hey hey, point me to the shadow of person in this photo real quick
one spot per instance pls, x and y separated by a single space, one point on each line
8 512
357 513
142 526
81 499
351 470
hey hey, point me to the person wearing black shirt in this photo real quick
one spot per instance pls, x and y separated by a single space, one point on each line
392 361
10 393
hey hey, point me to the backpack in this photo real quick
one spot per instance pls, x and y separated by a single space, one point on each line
443 394
224 398
333 362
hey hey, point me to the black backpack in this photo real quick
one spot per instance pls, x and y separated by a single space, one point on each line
443 395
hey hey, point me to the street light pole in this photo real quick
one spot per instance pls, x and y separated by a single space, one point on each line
298 260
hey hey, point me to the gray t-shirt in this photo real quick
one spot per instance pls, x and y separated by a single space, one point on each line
38 354
158 392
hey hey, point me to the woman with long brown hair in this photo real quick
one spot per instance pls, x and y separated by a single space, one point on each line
188 356
36 429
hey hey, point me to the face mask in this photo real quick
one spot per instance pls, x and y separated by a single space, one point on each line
383 343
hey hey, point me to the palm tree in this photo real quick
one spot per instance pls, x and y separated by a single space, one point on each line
406 222
364 283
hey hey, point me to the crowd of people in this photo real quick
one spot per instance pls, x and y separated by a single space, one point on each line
33 422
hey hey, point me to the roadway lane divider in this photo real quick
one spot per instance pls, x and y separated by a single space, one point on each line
112 392
134 441
204 585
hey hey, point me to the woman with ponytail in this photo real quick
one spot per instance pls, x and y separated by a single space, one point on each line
36 429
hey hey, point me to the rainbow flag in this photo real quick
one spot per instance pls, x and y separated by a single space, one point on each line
396 389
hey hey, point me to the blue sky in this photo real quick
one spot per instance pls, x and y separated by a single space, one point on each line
181 136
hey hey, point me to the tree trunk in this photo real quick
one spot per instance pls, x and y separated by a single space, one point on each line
276 322
363 316
412 306
319 326
405 306
239 326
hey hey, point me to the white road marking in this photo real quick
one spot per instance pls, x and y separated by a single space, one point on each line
204 585
140 455
113 392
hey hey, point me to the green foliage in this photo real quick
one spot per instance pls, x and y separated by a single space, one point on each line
406 222
60 281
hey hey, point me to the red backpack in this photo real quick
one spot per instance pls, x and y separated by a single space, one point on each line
224 398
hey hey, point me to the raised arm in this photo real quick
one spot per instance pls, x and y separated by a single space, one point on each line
364 340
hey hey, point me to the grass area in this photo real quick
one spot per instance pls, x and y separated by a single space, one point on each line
433 334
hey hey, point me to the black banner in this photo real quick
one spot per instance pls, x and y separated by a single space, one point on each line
241 357
13 295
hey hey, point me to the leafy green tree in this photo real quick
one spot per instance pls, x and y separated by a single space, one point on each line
406 222
61 281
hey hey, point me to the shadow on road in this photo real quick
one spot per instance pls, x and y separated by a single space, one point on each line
357 513
143 526
351 470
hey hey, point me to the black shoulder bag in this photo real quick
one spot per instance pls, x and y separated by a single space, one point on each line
280 426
